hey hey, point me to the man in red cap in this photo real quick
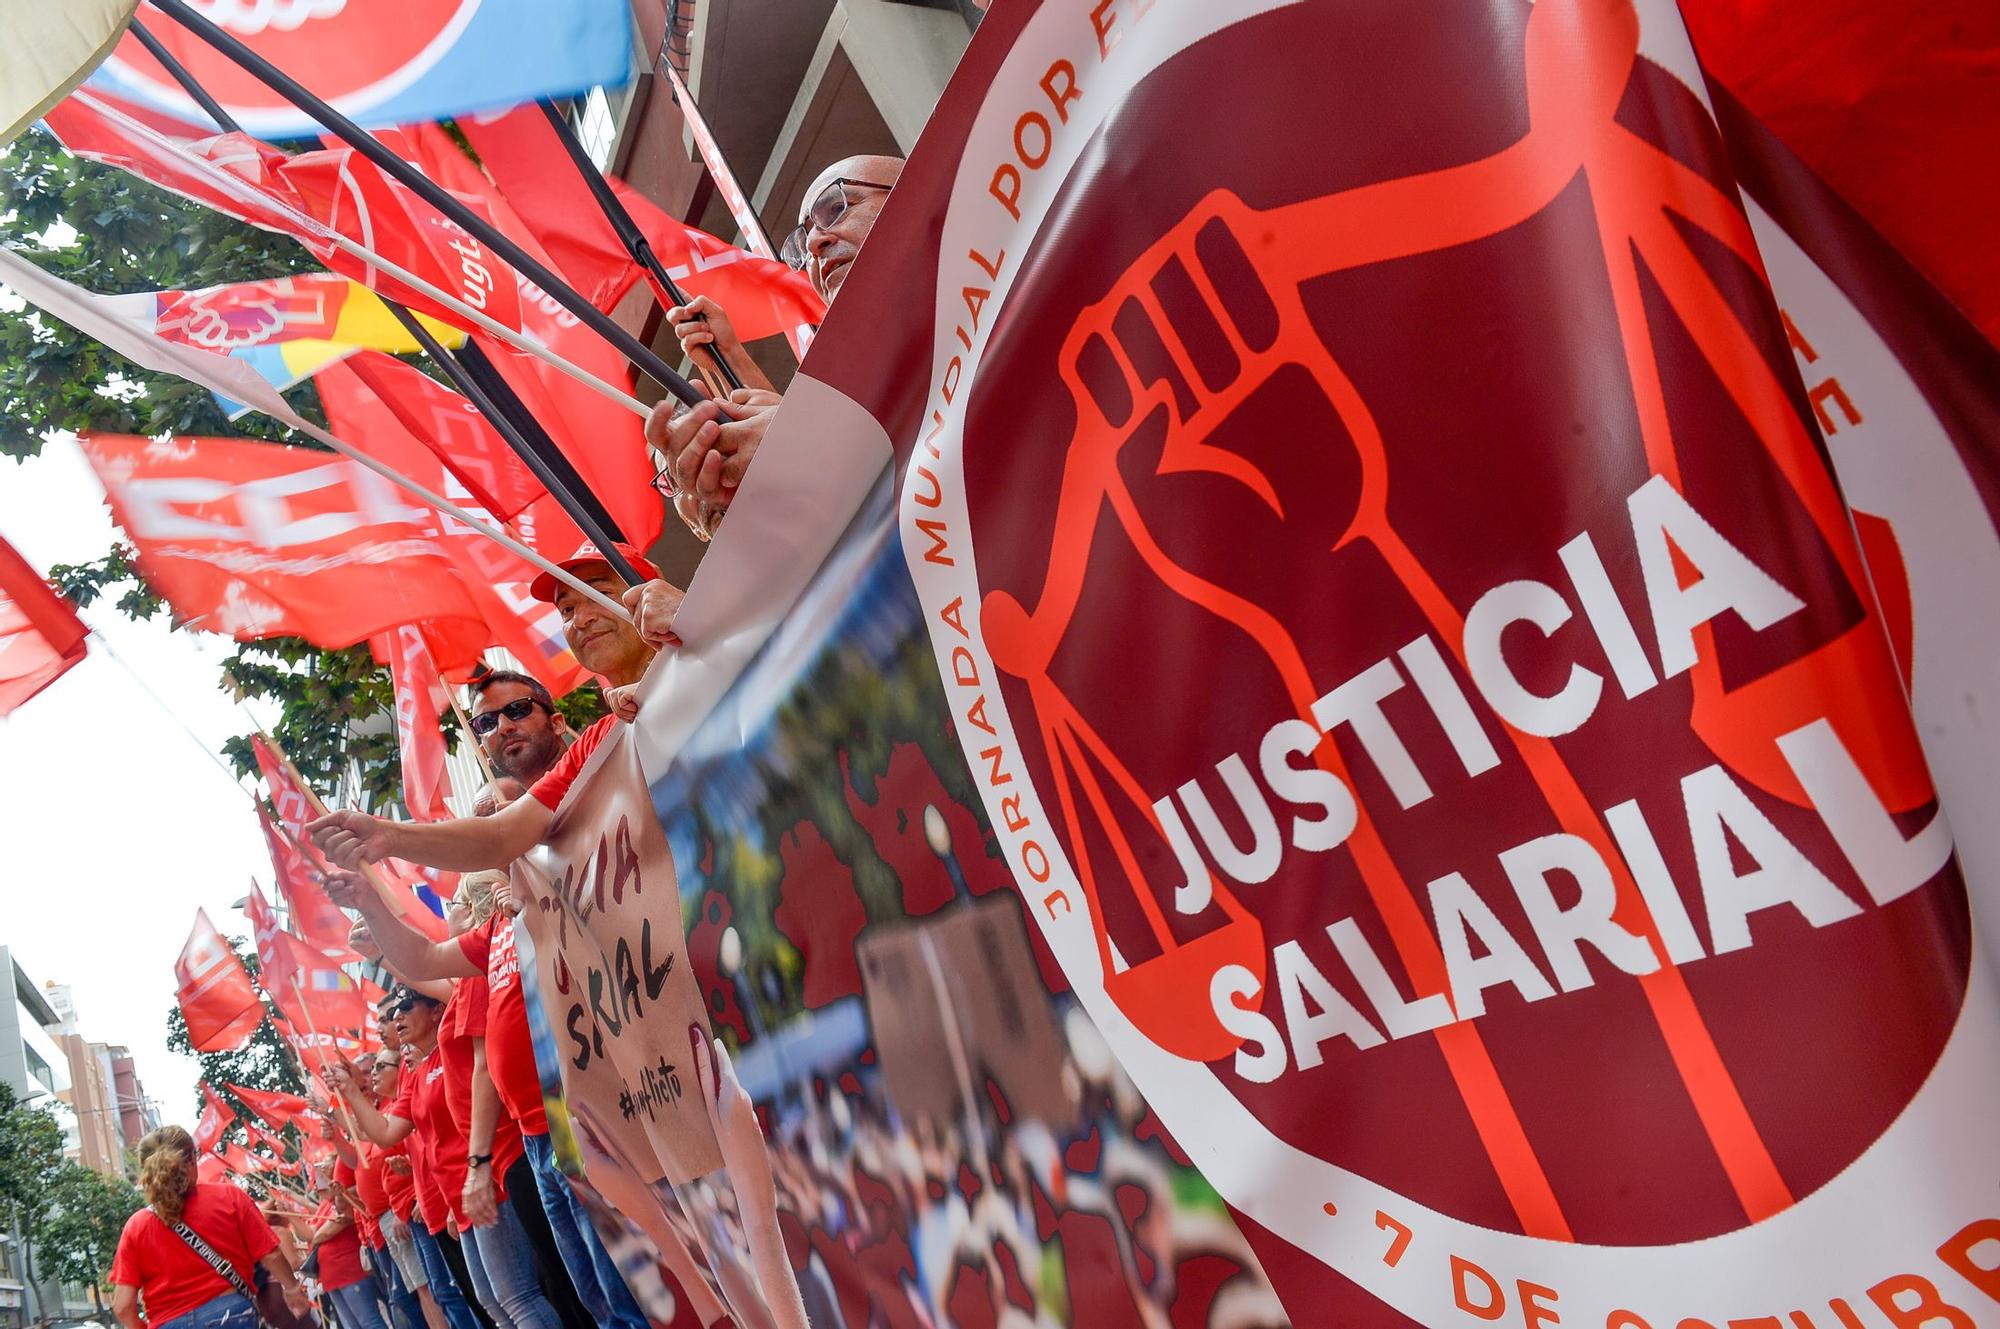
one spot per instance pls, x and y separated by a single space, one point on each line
616 651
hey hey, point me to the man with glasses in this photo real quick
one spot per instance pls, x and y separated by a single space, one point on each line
709 447
616 651
516 721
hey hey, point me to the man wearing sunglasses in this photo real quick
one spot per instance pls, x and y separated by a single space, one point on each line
516 721
709 447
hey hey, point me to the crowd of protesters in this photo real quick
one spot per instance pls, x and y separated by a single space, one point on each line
447 1208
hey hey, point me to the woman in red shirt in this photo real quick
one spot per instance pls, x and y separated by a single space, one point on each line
338 1241
160 1268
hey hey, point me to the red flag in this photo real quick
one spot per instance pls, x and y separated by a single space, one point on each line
259 540
309 985
374 387
40 634
603 440
274 1106
526 159
217 999
237 1159
215 1119
420 706
263 921
335 193
1894 105
211 1169
314 916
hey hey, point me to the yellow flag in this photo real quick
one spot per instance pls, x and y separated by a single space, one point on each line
50 47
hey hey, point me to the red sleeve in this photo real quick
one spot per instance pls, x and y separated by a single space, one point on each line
343 1173
477 943
468 1013
549 790
125 1265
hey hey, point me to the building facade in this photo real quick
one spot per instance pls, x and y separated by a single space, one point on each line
36 1063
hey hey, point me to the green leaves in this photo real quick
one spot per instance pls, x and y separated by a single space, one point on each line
78 1236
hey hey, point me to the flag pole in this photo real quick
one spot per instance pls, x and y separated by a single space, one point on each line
628 230
555 471
641 355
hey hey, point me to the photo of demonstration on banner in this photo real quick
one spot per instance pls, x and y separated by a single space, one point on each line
1000 664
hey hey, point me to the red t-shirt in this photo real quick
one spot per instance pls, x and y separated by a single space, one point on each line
169 1275
339 1254
464 1021
364 1215
549 790
437 1148
510 1051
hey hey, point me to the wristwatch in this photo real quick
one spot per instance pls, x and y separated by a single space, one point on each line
477 1160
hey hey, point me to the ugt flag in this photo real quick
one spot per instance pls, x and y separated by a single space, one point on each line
383 62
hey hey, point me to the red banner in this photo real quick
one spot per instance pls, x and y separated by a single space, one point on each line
40 635
313 915
1444 717
217 999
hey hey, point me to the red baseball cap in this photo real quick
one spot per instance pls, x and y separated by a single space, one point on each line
543 587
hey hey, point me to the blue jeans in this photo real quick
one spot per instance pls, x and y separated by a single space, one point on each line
405 1311
357 1306
502 1258
444 1288
598 1283
228 1311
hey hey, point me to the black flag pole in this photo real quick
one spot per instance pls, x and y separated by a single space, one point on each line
627 229
641 355
553 469
507 413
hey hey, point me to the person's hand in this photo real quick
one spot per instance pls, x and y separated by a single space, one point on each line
318 1099
623 702
296 1300
477 1199
346 889
393 1229
710 446
505 898
653 605
702 322
400 1166
351 839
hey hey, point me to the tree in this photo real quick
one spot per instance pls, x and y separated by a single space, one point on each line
31 1153
78 1235
115 233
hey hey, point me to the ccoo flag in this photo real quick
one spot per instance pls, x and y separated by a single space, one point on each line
216 997
385 62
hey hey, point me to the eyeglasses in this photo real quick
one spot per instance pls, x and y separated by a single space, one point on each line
517 710
825 214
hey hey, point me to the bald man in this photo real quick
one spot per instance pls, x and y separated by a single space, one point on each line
708 449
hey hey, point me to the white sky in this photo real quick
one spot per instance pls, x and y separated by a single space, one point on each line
114 826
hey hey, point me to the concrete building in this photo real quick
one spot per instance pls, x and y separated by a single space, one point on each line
36 1066
101 1110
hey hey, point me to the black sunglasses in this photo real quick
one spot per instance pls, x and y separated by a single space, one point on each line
517 710
825 213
